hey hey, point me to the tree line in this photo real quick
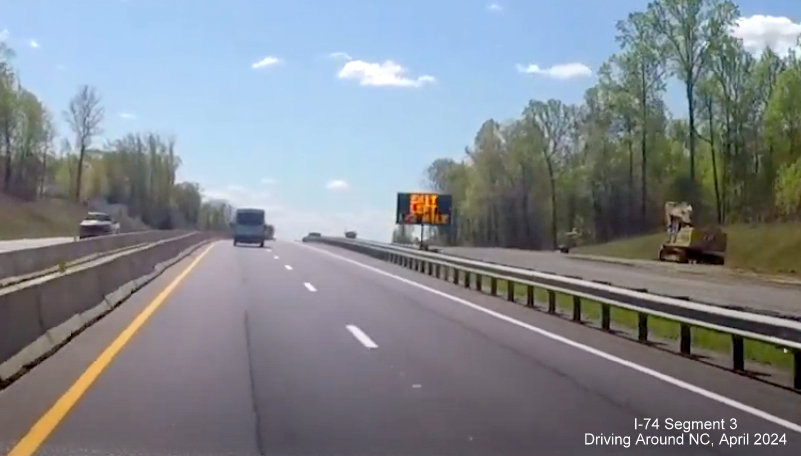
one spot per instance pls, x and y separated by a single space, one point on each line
137 170
605 167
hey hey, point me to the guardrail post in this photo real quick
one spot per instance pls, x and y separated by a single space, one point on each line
478 282
551 301
510 290
455 276
576 308
797 369
606 317
430 268
642 327
493 286
737 352
685 339
530 296
467 279
437 270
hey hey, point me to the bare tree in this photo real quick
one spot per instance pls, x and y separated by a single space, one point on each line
84 117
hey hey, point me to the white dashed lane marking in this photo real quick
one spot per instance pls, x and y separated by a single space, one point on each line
361 336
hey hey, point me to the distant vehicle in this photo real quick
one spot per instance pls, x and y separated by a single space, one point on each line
270 233
350 234
97 224
311 237
249 227
570 240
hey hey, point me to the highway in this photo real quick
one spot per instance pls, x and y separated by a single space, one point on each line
702 283
312 350
18 244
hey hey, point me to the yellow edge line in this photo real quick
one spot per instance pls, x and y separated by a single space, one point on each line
48 422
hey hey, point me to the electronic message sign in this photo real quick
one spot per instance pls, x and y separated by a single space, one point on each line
423 209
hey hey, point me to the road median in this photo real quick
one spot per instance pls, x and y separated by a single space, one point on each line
21 263
39 316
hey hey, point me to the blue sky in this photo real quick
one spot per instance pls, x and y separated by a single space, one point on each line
277 135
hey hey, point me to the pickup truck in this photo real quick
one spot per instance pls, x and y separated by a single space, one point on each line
97 224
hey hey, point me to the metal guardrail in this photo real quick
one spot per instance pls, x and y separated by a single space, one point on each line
740 325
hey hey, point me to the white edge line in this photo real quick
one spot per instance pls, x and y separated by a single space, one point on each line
288 267
586 348
361 336
309 287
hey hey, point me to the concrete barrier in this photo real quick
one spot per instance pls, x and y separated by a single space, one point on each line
27 261
19 321
38 316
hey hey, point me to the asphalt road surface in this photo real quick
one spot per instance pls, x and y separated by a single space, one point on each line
704 283
311 350
19 244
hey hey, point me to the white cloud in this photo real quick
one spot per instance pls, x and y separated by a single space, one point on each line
4 34
340 56
235 188
34 44
760 32
127 115
266 62
562 71
387 73
293 223
240 196
495 7
267 181
337 184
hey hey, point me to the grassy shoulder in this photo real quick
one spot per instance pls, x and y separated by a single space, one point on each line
52 217
661 329
767 248
42 218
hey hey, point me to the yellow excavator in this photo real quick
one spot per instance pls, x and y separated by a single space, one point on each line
687 243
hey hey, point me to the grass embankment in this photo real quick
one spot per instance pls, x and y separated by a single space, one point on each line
768 248
43 218
49 218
